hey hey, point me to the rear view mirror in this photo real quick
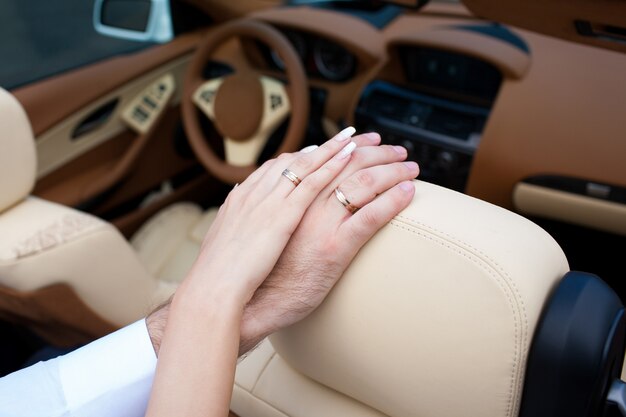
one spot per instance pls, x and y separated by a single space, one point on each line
135 20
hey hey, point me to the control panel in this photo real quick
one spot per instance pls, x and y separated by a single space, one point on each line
440 134
144 109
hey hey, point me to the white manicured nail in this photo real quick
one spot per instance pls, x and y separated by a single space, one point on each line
345 134
308 149
347 150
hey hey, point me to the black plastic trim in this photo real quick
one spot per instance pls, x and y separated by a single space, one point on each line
577 350
95 119
467 146
581 186
376 14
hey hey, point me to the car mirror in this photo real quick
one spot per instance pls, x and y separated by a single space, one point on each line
135 20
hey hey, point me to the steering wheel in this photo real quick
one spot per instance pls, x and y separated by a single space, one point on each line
245 107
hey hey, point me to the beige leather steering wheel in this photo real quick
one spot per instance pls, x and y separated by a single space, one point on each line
245 107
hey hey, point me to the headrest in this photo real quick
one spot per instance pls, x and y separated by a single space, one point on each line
18 160
435 316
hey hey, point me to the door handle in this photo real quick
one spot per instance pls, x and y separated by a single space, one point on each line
95 119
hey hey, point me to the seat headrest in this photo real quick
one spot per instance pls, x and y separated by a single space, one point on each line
435 316
18 160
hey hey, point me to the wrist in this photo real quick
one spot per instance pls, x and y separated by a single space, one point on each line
253 329
155 323
251 333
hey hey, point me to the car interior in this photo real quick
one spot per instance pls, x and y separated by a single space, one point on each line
124 124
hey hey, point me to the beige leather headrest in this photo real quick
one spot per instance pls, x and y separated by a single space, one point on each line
18 160
435 316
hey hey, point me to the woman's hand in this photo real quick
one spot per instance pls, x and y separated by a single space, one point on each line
329 237
199 350
258 217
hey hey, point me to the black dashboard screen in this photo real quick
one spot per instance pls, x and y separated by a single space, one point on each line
449 72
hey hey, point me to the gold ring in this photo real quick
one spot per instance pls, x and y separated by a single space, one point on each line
344 201
291 177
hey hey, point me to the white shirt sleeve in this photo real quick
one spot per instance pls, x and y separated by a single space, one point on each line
109 377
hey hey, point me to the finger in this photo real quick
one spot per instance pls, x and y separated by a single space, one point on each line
253 178
361 226
313 184
364 185
369 156
366 139
265 181
307 163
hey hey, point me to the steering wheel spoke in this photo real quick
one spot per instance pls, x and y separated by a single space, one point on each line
276 104
245 107
204 96
276 108
246 153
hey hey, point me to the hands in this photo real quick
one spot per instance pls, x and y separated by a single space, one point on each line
324 243
329 237
200 343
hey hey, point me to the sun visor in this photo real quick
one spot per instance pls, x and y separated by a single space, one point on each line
600 23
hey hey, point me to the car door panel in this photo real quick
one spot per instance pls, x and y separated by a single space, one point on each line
564 119
112 162
52 100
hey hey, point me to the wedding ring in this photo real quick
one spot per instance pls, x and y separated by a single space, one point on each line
344 201
291 177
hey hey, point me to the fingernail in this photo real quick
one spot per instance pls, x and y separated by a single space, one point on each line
407 186
400 149
345 134
346 151
308 149
411 165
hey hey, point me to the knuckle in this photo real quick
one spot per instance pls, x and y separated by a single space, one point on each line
365 179
398 199
370 219
283 157
303 163
391 152
400 170
311 183
359 156
265 165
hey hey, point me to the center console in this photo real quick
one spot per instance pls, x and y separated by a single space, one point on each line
438 113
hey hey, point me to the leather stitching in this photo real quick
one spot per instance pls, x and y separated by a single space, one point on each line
502 277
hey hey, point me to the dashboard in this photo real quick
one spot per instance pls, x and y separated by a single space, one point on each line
437 113
321 58
430 99
484 109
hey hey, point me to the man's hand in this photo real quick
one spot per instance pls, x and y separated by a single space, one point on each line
323 245
320 250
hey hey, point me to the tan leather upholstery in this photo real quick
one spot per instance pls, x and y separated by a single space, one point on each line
43 243
434 318
17 152
169 242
